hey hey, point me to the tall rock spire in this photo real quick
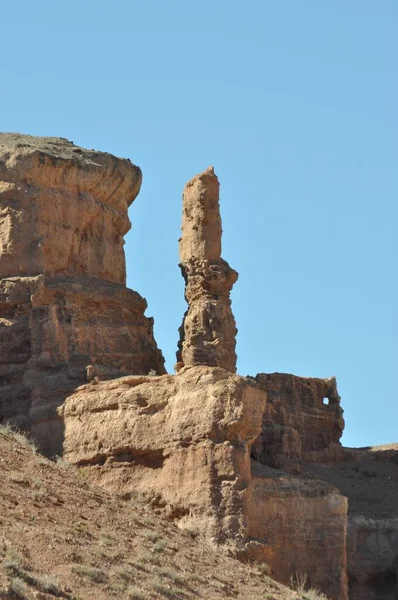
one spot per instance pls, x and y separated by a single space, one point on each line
207 334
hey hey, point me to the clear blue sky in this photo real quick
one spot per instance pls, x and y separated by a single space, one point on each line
295 105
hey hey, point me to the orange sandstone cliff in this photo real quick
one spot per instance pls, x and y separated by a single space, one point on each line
198 440
64 305
255 464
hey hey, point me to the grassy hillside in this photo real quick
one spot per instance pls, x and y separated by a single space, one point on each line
62 537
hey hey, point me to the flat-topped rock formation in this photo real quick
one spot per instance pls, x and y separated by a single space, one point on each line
208 331
64 305
255 464
63 208
186 440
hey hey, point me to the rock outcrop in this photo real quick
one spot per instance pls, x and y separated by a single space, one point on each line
184 438
207 334
253 463
303 421
186 441
368 478
302 524
205 442
64 304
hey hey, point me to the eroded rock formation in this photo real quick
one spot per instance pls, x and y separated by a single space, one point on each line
63 300
207 334
186 441
205 442
185 438
254 463
368 478
303 421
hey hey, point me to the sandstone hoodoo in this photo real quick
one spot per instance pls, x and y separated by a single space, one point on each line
198 441
208 331
254 464
64 304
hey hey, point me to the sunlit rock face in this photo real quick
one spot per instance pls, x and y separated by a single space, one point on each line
64 305
186 440
303 421
208 331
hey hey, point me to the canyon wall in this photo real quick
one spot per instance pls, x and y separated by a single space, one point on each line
186 441
201 444
253 463
64 306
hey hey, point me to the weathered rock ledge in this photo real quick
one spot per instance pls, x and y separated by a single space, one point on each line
187 440
253 463
64 305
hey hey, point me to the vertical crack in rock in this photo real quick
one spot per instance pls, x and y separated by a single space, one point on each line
208 331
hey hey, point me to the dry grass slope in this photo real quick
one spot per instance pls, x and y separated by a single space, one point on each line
63 538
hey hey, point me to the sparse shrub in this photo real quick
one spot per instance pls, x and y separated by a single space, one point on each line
263 568
173 575
313 594
24 439
19 589
159 546
14 561
80 527
151 536
298 581
41 494
139 564
91 573
49 584
124 572
134 593
17 568
63 464
106 539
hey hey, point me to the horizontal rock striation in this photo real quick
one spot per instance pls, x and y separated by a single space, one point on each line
303 421
186 440
368 477
64 305
63 208
303 524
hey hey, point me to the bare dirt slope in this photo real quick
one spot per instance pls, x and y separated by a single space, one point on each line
62 537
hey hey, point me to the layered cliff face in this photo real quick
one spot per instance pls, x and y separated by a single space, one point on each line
207 334
186 441
63 208
368 477
253 463
64 306
303 421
